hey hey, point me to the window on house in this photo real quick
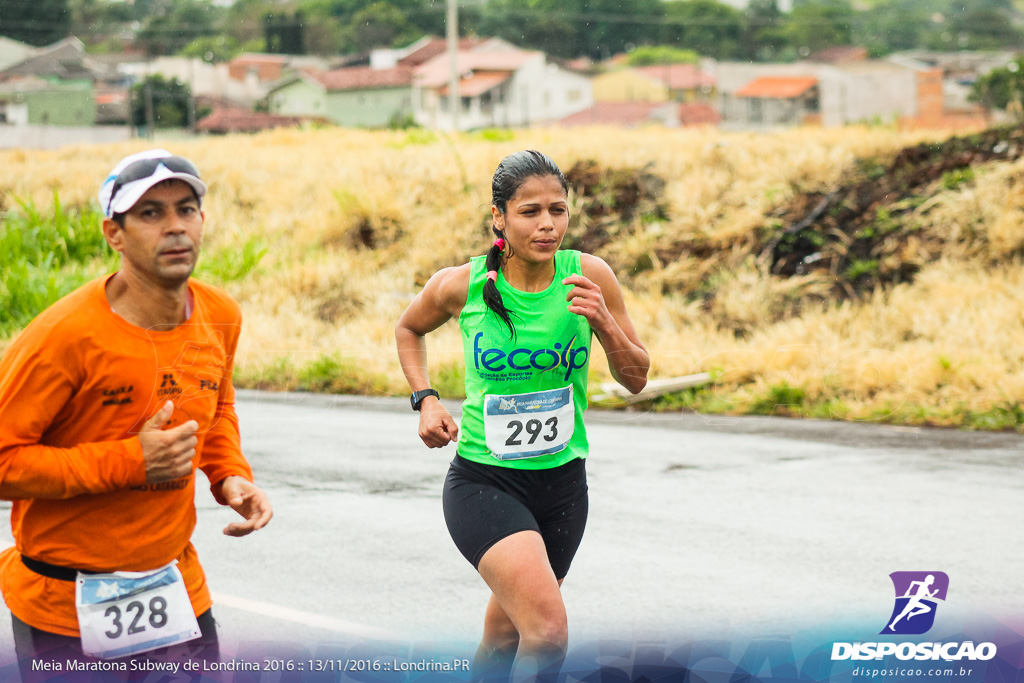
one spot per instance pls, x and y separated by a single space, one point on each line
756 110
811 103
466 101
574 95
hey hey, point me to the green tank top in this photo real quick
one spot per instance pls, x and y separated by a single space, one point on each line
525 397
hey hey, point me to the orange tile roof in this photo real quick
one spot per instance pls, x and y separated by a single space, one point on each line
435 72
777 87
479 83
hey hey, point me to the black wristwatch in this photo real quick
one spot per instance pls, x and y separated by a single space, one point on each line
417 397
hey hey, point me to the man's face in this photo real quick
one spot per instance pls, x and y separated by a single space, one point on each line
161 235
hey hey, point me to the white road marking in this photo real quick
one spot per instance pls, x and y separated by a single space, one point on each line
299 617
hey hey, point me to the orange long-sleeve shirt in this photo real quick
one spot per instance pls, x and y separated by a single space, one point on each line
75 388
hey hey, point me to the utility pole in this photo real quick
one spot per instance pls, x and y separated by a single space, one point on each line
150 118
452 33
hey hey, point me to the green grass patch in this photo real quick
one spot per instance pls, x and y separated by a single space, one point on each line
494 135
781 399
703 399
325 374
230 264
415 137
952 180
450 380
46 255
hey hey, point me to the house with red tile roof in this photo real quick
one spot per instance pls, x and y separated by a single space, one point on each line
351 96
498 86
658 83
224 120
818 93
636 114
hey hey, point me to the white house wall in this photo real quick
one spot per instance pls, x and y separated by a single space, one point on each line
536 93
299 99
858 92
871 93
205 80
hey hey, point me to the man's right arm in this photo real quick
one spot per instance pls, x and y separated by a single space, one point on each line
33 390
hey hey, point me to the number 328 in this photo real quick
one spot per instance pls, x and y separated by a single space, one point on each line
157 616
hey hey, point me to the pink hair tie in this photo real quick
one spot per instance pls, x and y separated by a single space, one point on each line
492 275
500 244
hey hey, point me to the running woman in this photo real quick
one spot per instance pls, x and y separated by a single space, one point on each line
515 499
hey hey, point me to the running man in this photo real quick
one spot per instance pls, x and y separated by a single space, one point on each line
109 401
515 499
915 605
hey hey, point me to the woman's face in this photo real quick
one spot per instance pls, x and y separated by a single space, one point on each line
535 219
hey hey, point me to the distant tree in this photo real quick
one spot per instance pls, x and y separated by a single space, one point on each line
380 25
573 28
170 99
283 33
649 55
430 16
243 20
607 27
346 10
819 24
530 26
36 22
176 24
323 35
90 17
213 49
984 25
894 25
1002 88
764 38
709 27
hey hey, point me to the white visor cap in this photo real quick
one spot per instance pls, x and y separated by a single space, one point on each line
128 194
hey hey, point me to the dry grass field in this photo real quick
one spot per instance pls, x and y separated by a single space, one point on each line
353 222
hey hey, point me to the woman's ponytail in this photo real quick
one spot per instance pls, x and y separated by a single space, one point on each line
492 297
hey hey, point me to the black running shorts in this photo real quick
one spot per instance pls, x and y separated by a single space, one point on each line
485 503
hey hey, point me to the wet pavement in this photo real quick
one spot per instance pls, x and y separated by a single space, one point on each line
699 526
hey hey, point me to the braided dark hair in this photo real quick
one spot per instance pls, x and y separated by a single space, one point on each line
512 172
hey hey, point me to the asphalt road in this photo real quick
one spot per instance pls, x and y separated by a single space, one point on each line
699 527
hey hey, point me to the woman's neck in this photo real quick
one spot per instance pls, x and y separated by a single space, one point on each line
529 277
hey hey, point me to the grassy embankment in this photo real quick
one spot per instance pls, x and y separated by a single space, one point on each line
907 309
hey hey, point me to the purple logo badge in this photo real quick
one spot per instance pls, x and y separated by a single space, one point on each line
917 595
